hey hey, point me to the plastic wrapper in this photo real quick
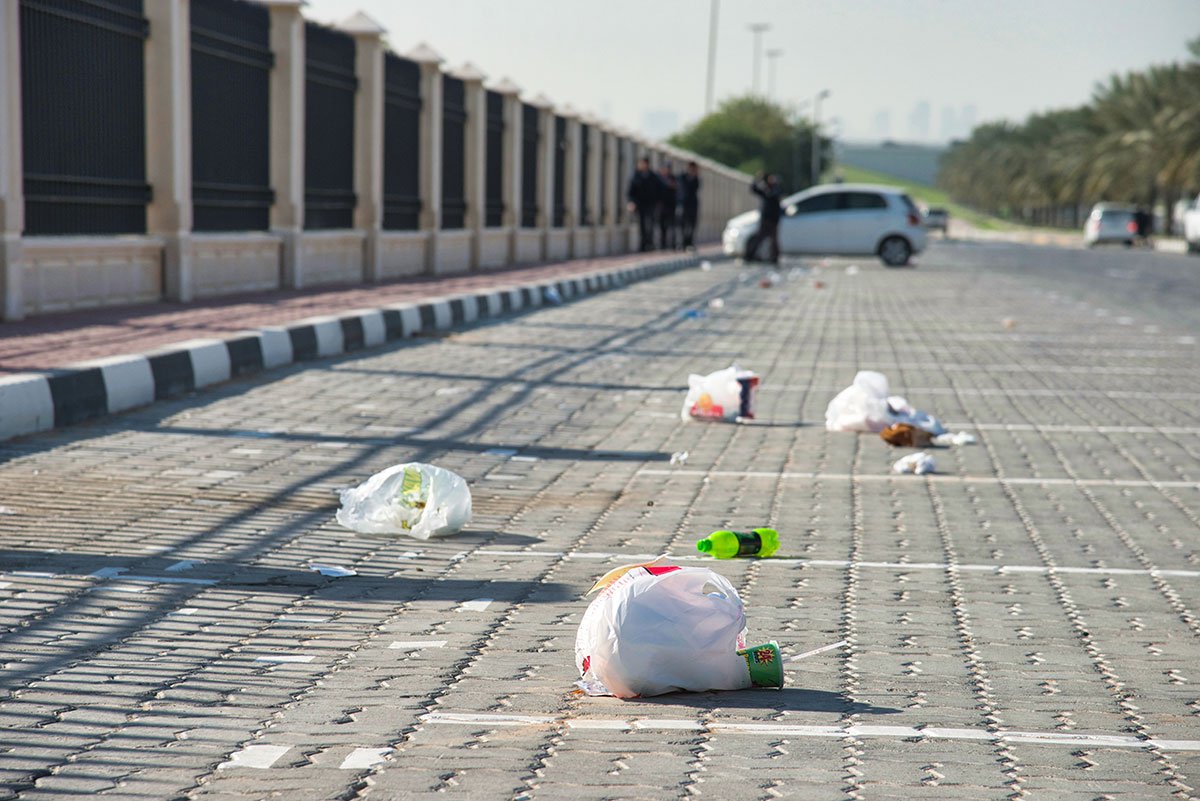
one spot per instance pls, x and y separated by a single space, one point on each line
916 463
727 394
414 499
865 405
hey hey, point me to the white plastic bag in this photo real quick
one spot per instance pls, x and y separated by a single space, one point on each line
661 628
916 463
416 499
866 406
724 395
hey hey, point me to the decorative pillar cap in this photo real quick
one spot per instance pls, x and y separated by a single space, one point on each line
505 86
468 73
542 102
424 54
360 24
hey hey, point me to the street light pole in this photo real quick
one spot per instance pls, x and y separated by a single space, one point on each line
714 12
816 135
772 54
758 29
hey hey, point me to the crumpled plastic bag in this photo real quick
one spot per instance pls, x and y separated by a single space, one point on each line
948 439
724 395
865 405
657 628
916 463
416 499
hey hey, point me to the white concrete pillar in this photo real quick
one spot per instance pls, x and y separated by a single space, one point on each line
430 62
612 192
595 183
475 158
12 196
287 136
513 162
169 145
368 138
572 183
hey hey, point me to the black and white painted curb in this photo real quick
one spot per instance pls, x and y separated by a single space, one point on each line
33 402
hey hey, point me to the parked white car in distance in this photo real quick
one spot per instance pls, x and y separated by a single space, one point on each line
840 219
1110 222
1191 226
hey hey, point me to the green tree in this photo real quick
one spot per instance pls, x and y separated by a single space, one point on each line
754 135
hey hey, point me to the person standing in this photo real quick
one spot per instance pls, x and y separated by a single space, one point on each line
766 186
689 202
666 208
643 196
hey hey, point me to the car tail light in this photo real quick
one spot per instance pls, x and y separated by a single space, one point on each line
1131 227
913 219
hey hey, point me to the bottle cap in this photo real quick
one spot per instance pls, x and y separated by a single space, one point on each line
705 545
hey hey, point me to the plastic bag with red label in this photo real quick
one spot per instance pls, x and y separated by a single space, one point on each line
657 628
727 394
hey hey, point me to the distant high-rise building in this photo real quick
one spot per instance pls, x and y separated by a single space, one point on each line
918 122
968 119
659 123
950 123
883 123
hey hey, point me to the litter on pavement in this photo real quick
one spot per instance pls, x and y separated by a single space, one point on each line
902 435
727 394
948 439
916 463
415 499
727 544
332 570
716 303
866 405
658 628
679 458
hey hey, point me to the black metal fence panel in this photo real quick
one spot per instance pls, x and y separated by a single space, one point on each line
231 147
559 205
531 138
494 167
602 142
585 207
401 144
83 116
329 88
454 151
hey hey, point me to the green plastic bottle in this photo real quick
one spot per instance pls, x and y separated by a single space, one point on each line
728 544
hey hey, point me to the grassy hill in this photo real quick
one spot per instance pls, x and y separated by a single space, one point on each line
924 194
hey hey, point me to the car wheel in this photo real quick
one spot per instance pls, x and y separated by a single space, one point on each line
895 251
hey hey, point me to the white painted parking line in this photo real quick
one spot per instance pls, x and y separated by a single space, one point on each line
187 610
941 477
363 758
1056 428
998 570
477 605
285 658
915 393
416 645
255 756
832 732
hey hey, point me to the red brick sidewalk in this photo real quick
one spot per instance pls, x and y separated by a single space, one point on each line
58 340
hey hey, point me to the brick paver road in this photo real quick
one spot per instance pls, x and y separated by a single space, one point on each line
1024 624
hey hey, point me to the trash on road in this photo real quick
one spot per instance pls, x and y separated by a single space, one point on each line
333 570
866 406
716 303
706 265
852 269
416 499
770 280
1008 323
948 439
679 458
916 463
658 628
903 435
818 284
691 314
552 296
727 394
726 544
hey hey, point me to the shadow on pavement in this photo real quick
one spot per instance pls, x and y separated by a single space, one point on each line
789 699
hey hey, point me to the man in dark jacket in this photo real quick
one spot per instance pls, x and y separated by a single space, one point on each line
767 188
689 201
644 192
666 208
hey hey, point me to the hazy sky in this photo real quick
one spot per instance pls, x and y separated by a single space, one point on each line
641 63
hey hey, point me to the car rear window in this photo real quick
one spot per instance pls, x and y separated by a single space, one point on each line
912 207
864 200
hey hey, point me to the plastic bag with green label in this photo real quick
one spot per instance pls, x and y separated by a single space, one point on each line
415 499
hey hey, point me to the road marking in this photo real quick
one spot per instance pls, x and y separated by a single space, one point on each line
130 588
416 645
1077 429
255 756
363 758
4 584
282 658
187 610
998 570
942 477
917 392
831 732
477 605
301 619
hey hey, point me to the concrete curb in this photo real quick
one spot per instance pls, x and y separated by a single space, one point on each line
35 402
